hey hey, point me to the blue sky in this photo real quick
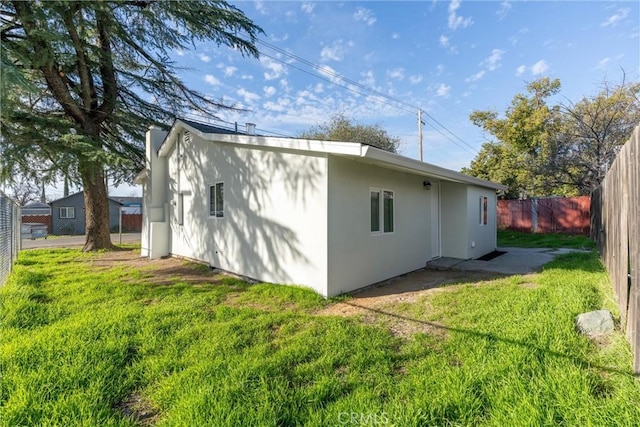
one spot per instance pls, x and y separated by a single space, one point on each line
446 57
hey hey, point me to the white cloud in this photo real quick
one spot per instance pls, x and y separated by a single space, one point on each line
415 79
539 67
396 73
492 62
505 7
367 78
275 69
456 21
475 77
395 36
443 90
204 58
319 88
604 62
269 90
211 80
307 7
439 69
279 106
248 97
179 52
521 70
329 73
614 19
229 70
260 7
246 77
364 15
444 41
335 52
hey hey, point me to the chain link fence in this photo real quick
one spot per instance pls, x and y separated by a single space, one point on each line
9 235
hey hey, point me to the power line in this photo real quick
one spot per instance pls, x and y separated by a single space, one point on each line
397 103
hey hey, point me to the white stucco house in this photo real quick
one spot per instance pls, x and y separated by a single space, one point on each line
334 216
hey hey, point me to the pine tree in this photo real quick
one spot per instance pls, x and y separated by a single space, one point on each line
81 82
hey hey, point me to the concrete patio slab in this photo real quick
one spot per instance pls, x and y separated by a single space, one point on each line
513 261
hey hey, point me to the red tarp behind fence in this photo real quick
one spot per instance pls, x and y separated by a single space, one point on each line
546 215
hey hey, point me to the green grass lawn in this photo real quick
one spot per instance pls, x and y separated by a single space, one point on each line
543 240
84 344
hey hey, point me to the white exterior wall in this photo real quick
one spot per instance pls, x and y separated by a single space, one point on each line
455 222
357 257
482 236
275 211
154 197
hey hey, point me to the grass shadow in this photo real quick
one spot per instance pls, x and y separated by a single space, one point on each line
583 363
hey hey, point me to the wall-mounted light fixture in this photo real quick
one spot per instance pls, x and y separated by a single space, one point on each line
426 185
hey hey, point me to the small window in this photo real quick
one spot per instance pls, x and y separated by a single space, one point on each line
483 210
216 200
388 212
375 211
382 211
68 212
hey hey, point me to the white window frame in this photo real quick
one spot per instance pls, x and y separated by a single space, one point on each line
483 211
381 214
66 211
214 214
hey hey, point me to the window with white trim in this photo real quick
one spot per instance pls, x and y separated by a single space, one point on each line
216 200
67 212
382 211
483 210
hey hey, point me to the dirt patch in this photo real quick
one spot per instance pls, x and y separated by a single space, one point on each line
376 303
140 409
162 271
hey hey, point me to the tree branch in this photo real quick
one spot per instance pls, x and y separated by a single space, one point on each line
49 69
107 72
88 92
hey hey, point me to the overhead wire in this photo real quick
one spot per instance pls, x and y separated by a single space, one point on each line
397 103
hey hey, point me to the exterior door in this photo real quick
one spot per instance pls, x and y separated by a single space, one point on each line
435 220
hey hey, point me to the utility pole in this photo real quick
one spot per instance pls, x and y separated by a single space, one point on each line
420 123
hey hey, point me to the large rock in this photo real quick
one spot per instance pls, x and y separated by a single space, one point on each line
597 322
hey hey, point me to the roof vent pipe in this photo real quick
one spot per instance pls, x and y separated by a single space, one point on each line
251 128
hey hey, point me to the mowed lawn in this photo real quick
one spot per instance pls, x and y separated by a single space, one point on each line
92 342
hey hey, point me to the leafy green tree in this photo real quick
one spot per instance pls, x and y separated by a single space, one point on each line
82 80
523 143
341 128
560 150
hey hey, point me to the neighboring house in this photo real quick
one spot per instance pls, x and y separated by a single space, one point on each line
68 215
334 216
37 213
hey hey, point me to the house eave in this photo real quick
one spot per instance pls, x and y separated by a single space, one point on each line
346 149
395 161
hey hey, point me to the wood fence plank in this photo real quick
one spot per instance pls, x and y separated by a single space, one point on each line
615 227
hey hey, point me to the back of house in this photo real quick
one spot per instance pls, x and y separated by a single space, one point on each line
334 216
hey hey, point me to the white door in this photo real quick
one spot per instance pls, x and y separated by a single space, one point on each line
435 220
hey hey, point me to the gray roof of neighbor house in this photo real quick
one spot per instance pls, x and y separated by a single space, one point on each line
36 208
127 201
121 200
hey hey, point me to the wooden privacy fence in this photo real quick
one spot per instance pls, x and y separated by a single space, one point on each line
131 222
615 227
545 215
